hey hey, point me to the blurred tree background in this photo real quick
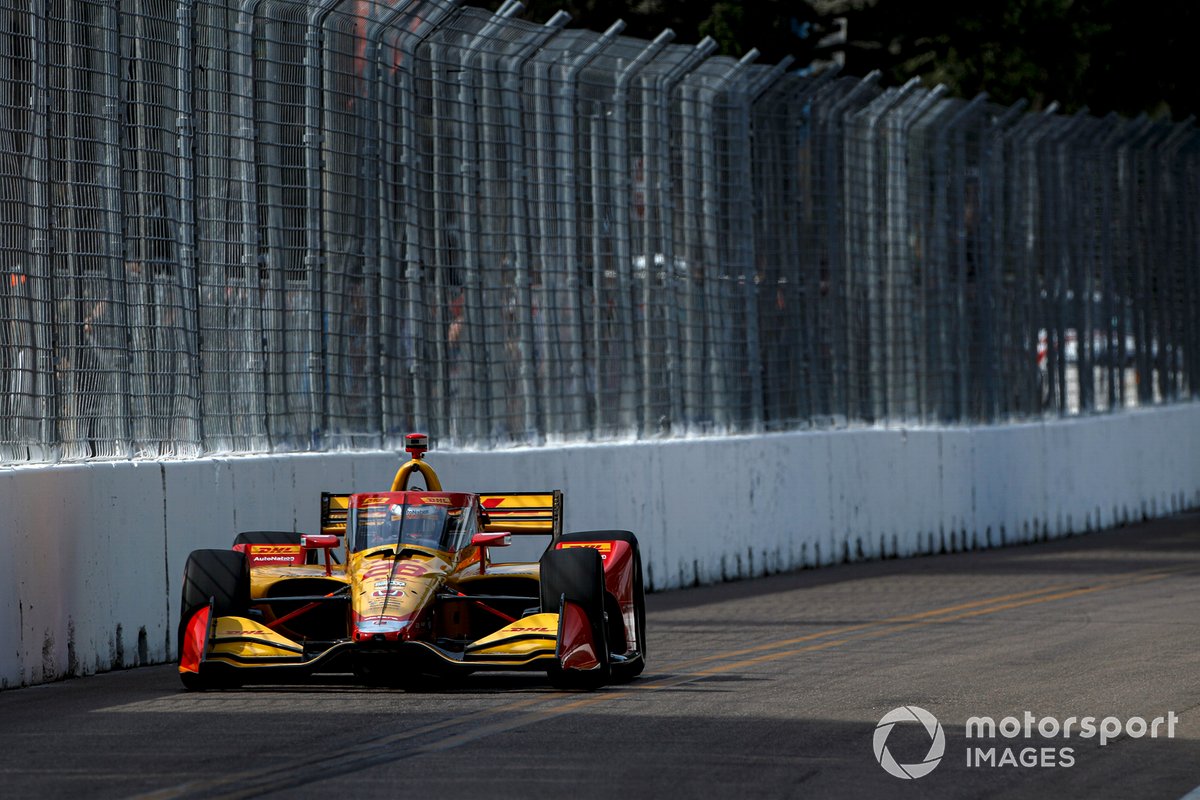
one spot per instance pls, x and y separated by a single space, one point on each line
1105 55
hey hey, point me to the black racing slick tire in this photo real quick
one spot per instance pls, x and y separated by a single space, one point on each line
267 537
577 575
220 577
627 670
634 665
593 536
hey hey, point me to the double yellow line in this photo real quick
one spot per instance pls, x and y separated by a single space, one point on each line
824 640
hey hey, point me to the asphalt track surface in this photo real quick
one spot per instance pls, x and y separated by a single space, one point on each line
766 688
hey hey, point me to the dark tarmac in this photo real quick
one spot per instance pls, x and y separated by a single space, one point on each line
766 688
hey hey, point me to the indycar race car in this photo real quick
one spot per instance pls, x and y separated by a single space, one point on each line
401 584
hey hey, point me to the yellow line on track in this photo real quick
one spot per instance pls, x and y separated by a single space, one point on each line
923 620
862 626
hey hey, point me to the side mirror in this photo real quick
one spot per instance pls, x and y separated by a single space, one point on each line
492 539
485 540
321 541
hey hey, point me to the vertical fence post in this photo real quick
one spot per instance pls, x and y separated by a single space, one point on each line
1127 255
234 387
118 414
1172 266
400 194
1113 304
1189 190
186 159
623 255
899 337
722 357
656 151
482 399
781 177
47 447
953 349
520 201
880 195
1189 197
743 207
396 397
574 419
1008 363
278 267
1028 248
314 233
842 404
707 340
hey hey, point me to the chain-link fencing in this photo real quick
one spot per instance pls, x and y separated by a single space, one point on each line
276 225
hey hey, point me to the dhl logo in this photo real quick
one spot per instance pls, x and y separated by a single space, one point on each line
530 630
275 549
441 501
603 547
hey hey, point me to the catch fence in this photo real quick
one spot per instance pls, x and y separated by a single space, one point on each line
275 226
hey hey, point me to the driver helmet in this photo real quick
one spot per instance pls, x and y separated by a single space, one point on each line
422 524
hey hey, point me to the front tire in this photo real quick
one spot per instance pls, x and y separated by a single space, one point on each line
623 671
577 575
219 577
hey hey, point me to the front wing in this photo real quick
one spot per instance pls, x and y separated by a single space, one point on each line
249 649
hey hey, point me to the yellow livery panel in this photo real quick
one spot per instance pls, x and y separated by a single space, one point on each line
238 638
531 636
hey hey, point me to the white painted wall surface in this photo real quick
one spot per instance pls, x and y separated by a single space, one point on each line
95 553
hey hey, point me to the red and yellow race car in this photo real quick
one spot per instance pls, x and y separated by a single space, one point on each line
401 584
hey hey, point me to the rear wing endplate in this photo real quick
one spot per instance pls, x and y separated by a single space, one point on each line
335 511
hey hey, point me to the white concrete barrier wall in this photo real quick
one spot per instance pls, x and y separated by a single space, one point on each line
94 554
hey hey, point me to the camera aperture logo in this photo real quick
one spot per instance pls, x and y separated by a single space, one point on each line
937 744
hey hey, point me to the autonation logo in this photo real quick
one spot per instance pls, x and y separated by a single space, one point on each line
1014 741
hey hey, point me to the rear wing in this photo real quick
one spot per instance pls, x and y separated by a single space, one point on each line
335 511
512 512
523 512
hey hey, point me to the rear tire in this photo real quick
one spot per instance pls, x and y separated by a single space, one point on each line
221 577
600 536
577 575
267 537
